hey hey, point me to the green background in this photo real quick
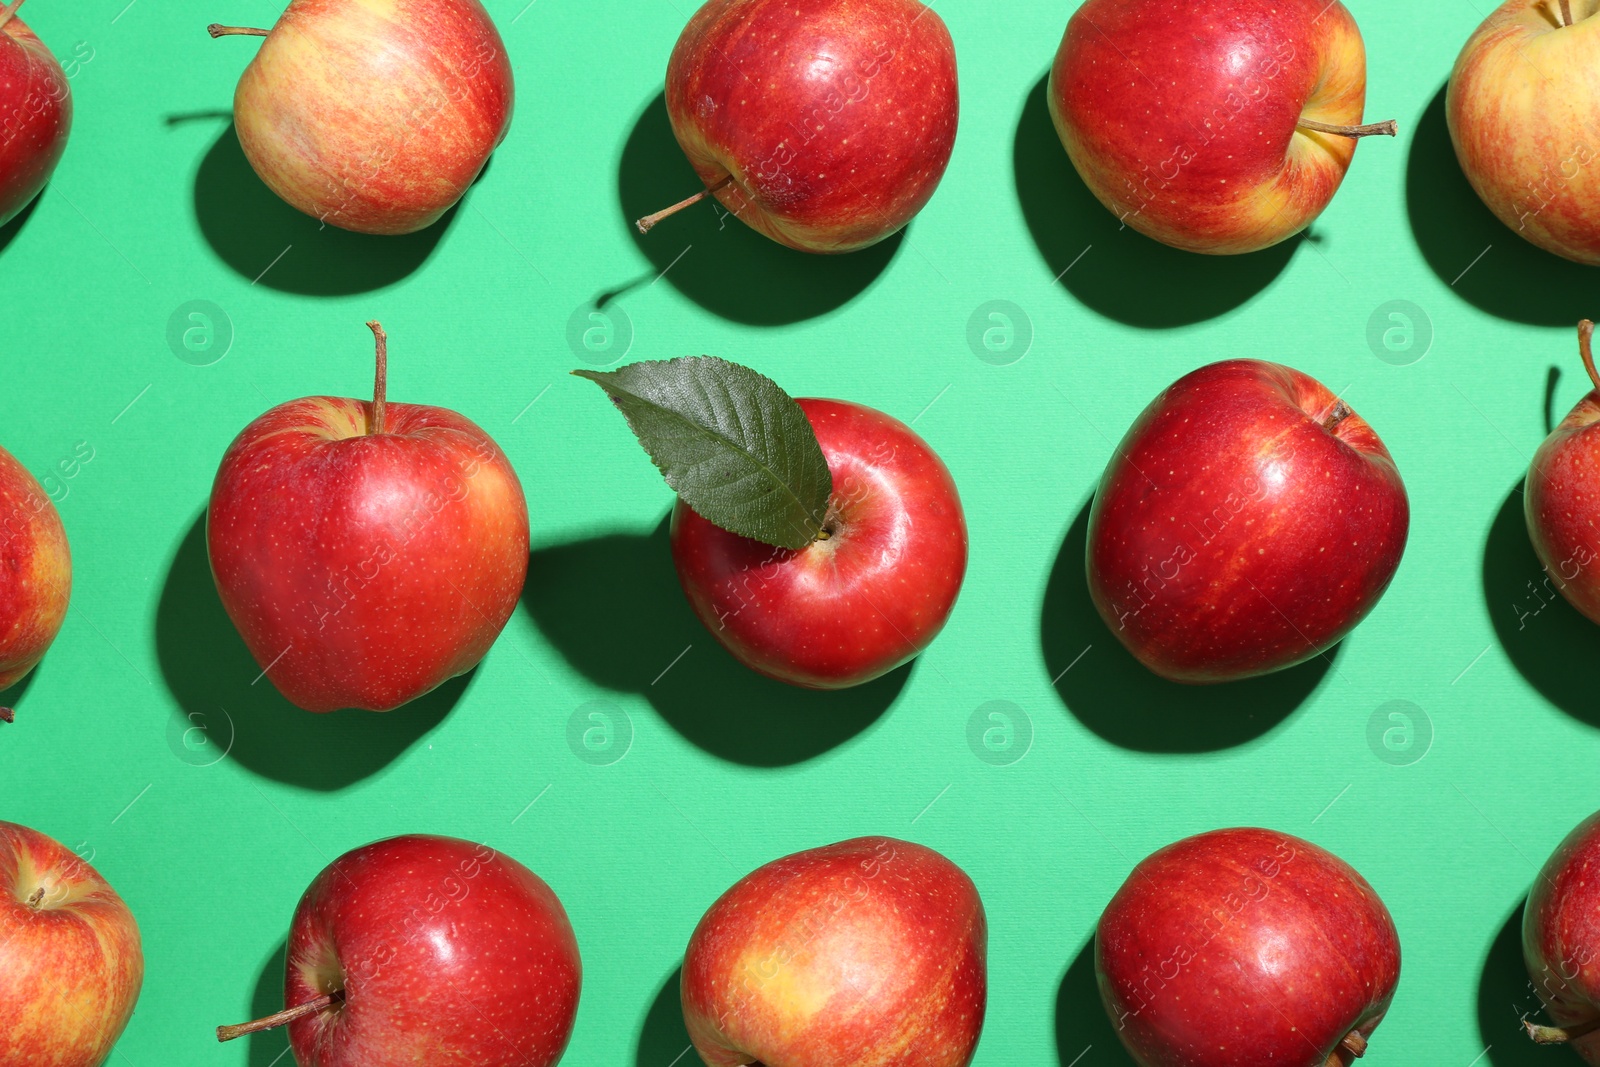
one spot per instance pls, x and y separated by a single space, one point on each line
153 207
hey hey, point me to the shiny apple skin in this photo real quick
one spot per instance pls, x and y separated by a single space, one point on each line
1259 538
375 115
1521 107
871 951
846 128
851 608
448 953
1245 948
35 117
1182 121
363 570
1561 934
35 572
1561 500
70 968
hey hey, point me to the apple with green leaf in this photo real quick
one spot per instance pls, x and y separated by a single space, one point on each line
820 541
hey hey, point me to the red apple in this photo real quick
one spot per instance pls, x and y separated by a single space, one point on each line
1246 948
1521 107
1248 521
374 117
35 114
366 552
1561 942
1562 496
35 572
70 960
427 950
1222 126
871 951
859 602
824 124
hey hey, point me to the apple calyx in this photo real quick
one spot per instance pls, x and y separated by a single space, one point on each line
7 11
282 1018
7 715
1388 128
1586 350
380 383
648 223
734 446
216 29
1559 1035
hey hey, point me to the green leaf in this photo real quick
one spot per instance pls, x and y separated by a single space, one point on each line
733 445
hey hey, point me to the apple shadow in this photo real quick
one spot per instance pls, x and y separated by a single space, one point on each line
12 698
663 1039
1112 269
219 689
1544 636
269 1047
716 260
1118 698
1513 279
1084 1034
1505 998
265 240
10 230
613 607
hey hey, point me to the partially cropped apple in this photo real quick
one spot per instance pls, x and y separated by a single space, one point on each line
1246 948
35 573
70 958
820 541
871 951
35 114
1219 126
367 552
1248 521
374 117
823 124
427 950
1561 943
1561 498
1521 107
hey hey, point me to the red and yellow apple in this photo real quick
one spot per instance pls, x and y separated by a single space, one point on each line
871 951
1222 126
823 124
35 114
366 552
70 959
1561 498
35 572
1246 948
427 950
1521 107
870 593
1247 522
1561 943
374 115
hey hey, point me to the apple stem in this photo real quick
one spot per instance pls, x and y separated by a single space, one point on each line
380 384
1336 415
7 715
216 29
1386 129
9 10
288 1015
1355 1044
1557 1035
648 223
1586 349
37 898
1566 13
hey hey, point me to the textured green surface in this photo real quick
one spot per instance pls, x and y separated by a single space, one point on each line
153 207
